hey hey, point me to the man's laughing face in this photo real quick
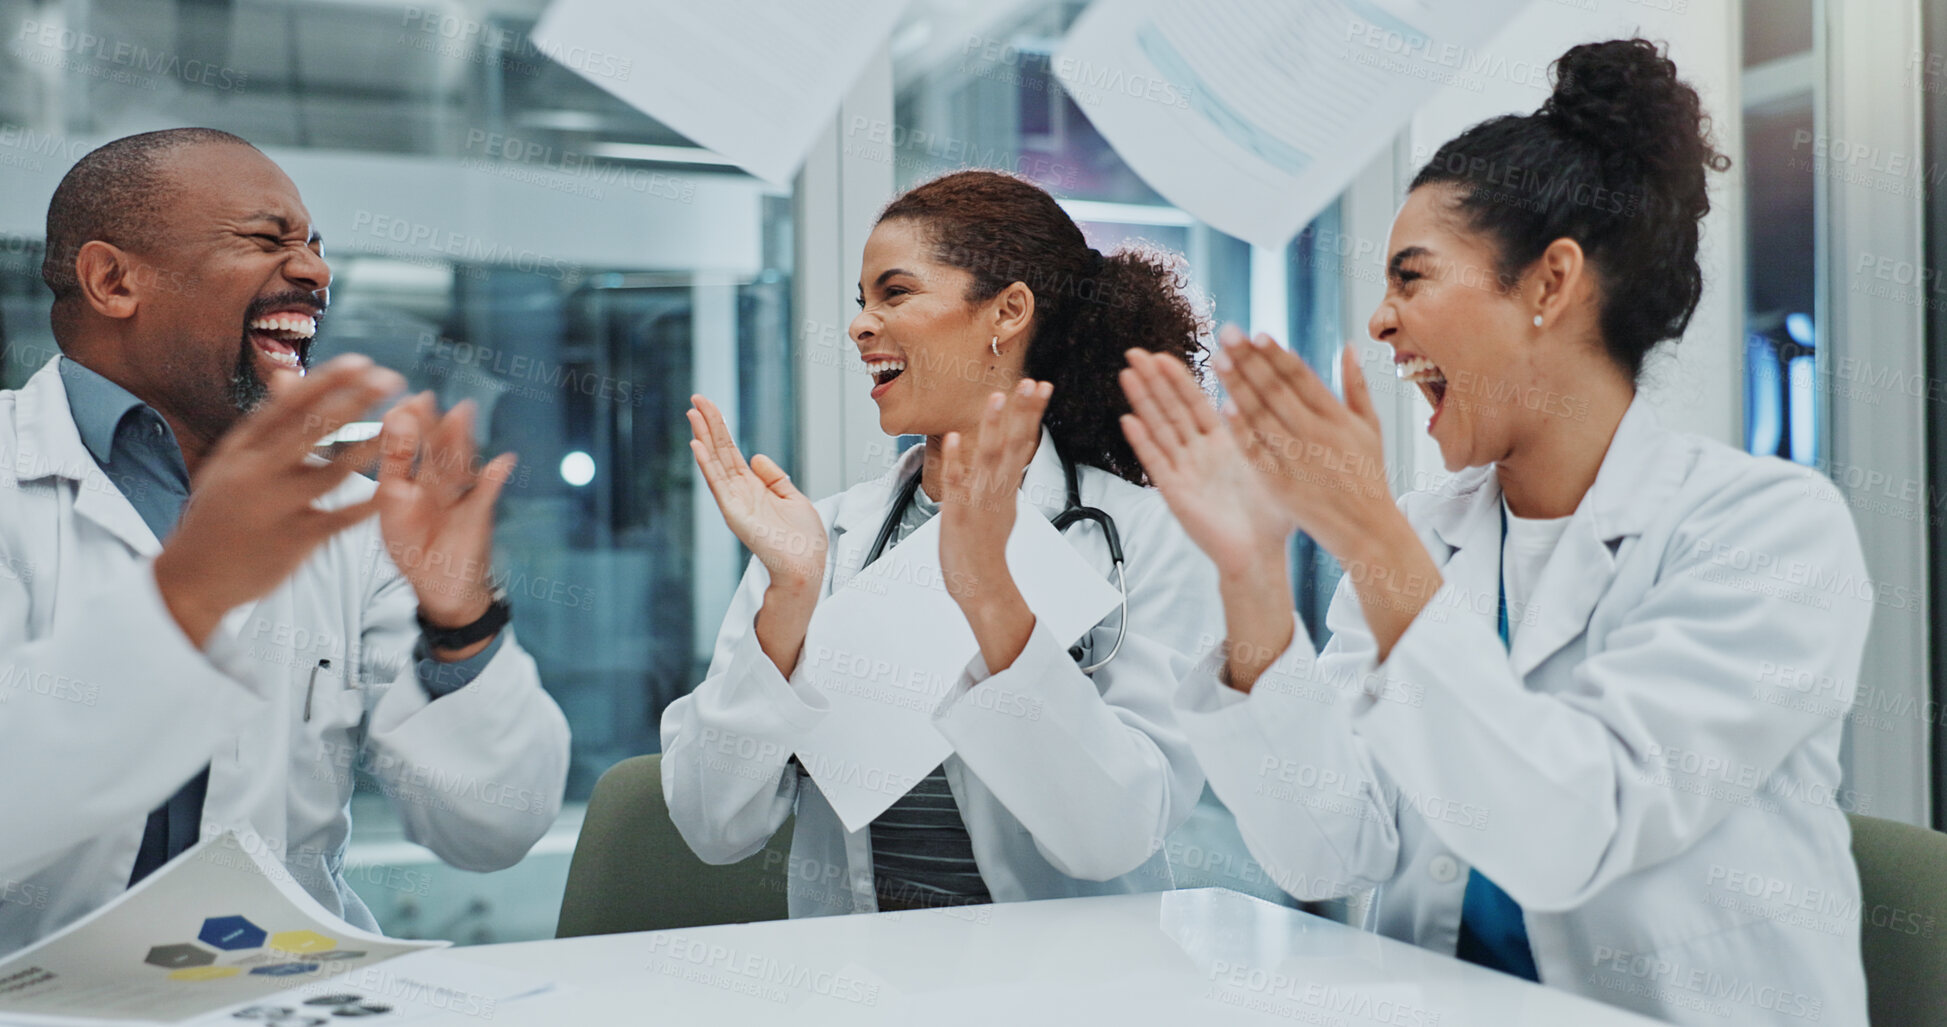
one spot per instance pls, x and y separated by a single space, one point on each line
241 285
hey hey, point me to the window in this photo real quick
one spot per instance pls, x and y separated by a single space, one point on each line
971 91
499 230
1781 402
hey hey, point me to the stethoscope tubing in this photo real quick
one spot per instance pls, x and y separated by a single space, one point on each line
1072 512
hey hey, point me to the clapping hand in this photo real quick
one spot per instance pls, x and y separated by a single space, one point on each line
979 483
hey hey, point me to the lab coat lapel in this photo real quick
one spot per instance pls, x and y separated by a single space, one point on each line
51 446
1577 573
1043 483
1634 482
860 514
1468 521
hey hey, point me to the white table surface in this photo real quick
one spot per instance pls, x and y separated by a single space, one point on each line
1183 958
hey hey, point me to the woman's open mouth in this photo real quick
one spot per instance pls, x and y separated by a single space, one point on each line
884 373
1431 380
283 337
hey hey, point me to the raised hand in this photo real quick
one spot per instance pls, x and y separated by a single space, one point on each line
774 521
1325 463
1203 471
1324 460
252 517
763 509
1223 502
979 482
436 510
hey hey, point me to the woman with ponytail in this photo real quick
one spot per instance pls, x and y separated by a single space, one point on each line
1580 715
994 331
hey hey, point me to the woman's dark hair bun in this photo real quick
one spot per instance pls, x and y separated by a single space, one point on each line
1623 96
1616 160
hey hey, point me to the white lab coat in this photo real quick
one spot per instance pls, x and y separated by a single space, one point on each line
106 707
1652 772
1068 788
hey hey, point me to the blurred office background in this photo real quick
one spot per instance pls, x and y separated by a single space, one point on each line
500 229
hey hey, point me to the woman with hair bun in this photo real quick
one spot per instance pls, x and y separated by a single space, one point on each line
993 330
1579 718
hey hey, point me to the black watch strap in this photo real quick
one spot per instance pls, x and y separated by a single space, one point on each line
497 615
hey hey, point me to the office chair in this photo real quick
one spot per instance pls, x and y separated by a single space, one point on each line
1903 919
633 872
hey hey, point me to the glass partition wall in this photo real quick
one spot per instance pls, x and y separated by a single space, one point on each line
500 230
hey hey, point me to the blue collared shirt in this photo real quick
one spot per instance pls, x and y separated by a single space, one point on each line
138 452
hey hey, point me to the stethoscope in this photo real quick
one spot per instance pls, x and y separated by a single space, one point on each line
1071 513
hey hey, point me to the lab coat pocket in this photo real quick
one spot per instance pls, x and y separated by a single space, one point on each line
328 707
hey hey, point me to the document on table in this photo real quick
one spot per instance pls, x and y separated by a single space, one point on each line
1253 115
886 648
219 925
416 986
756 81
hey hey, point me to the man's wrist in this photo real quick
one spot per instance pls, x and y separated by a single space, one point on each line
457 655
450 639
450 608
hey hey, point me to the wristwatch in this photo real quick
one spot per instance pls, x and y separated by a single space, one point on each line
497 615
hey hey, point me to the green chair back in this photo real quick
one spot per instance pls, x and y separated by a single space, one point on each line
633 872
1903 883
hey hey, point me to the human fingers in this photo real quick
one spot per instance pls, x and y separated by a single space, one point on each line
399 436
447 465
1258 398
490 481
1155 400
292 422
727 451
1155 460
1142 384
1025 409
319 525
1358 398
774 478
1297 375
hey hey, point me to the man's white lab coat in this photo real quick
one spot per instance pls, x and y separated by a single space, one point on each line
106 708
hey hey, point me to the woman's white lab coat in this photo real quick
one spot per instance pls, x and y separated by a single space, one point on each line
106 708
1652 773
1068 788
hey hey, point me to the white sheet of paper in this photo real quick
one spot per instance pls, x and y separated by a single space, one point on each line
755 81
1253 115
219 925
888 646
418 986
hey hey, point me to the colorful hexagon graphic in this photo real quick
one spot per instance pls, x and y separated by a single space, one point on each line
303 942
205 973
175 956
284 969
231 933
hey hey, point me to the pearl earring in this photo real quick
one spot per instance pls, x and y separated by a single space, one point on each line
996 345
1537 320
